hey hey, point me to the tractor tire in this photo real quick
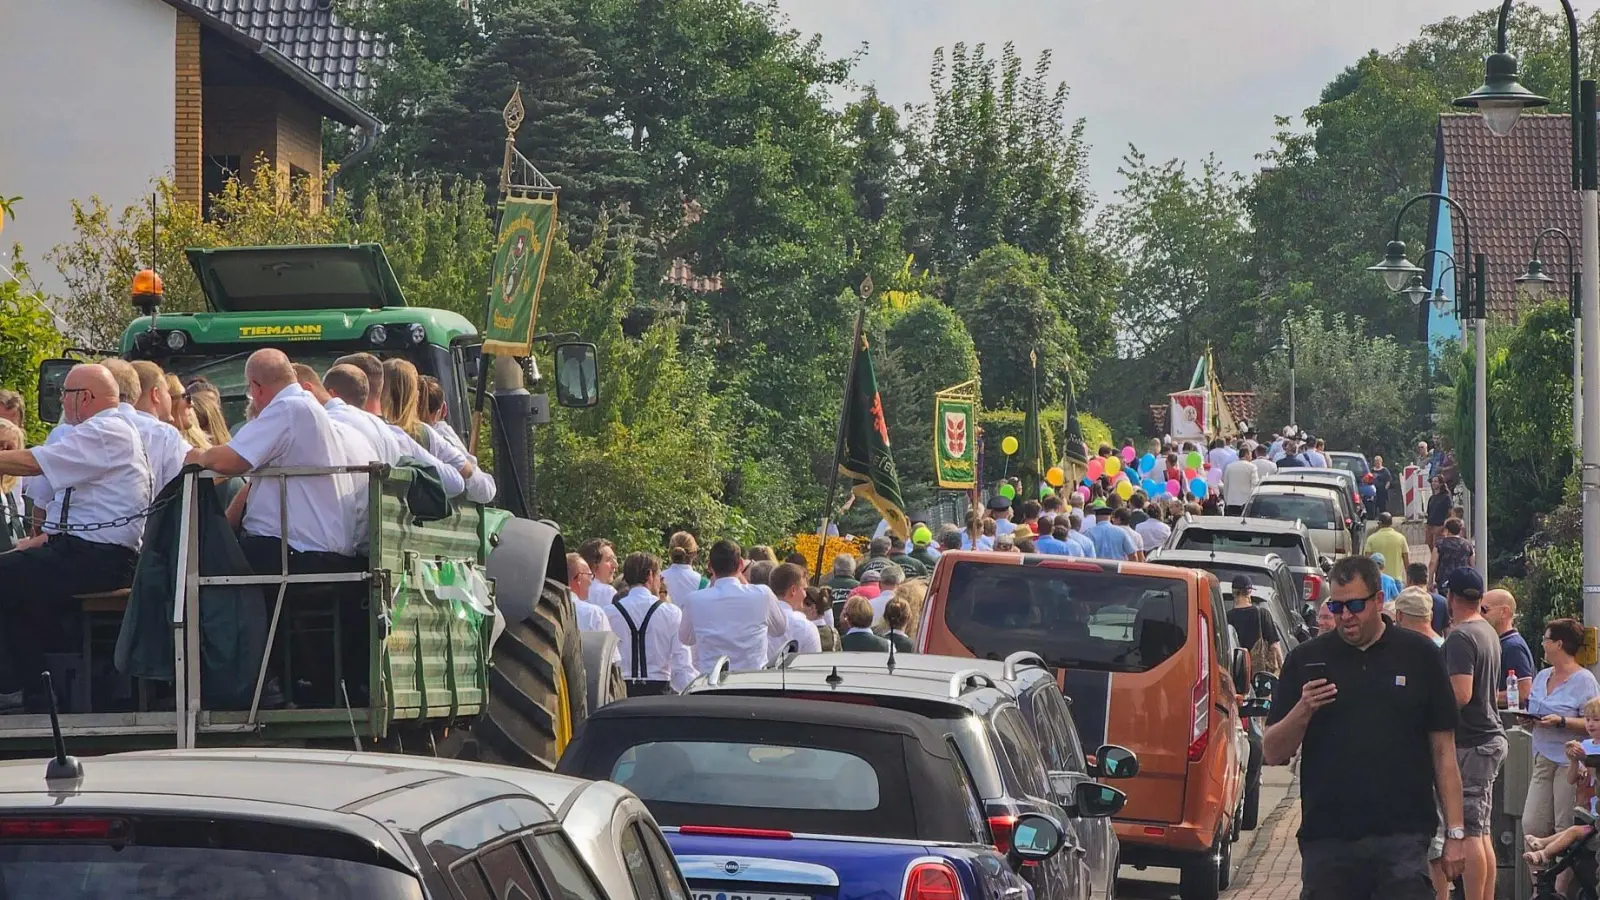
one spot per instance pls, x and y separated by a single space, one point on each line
600 665
537 688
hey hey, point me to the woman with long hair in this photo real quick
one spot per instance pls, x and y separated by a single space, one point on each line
205 402
402 391
183 417
681 577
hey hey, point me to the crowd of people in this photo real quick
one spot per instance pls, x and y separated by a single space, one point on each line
74 508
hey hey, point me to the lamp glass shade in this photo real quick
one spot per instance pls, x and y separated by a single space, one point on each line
1417 292
1535 281
1500 116
1501 98
1440 301
1396 270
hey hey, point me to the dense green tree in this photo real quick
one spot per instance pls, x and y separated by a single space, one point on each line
28 336
1007 293
920 348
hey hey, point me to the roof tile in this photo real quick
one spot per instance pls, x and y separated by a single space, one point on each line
309 32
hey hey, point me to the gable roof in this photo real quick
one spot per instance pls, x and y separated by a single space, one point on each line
1512 188
1244 406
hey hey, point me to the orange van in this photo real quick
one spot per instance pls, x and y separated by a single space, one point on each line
1147 657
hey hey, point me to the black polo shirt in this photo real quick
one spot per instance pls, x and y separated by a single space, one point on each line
1367 763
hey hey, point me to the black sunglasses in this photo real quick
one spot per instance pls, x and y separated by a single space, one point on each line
1356 607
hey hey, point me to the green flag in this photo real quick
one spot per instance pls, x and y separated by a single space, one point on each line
866 460
1201 371
1030 464
526 228
1075 456
955 448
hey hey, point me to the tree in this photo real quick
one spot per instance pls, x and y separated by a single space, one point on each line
1356 391
28 336
923 349
1011 307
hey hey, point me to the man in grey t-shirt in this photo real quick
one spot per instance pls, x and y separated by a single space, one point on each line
1472 659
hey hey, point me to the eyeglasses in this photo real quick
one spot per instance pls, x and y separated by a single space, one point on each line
585 574
1356 607
66 391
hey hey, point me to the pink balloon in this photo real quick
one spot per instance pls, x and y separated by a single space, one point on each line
1173 487
1096 467
1084 493
1128 454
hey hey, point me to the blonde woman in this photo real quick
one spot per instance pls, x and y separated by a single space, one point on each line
913 594
13 511
402 409
183 417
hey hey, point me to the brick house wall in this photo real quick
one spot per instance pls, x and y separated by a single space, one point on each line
188 123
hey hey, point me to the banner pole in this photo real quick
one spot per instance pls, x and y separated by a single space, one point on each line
844 411
512 116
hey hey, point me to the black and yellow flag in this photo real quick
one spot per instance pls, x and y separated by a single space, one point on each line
866 460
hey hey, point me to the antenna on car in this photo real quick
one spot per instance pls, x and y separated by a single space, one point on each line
63 767
834 679
891 658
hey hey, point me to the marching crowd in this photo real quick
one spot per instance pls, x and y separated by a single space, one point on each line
73 509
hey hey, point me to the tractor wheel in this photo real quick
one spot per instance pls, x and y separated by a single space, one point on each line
600 665
537 690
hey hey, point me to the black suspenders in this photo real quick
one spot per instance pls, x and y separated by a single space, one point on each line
641 670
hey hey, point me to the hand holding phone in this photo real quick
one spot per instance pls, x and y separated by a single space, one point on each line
1319 689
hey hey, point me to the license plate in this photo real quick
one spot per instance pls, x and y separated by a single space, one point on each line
745 895
748 895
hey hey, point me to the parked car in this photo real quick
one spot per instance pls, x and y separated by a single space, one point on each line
1270 576
951 690
1288 540
1322 508
1129 638
198 824
807 800
1338 478
1354 463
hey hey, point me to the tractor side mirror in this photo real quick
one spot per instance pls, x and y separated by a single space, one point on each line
52 375
577 376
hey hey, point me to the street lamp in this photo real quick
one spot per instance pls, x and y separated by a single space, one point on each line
1471 304
1286 344
1537 283
1502 100
1441 303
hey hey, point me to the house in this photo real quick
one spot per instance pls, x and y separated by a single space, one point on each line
1243 405
102 97
1512 188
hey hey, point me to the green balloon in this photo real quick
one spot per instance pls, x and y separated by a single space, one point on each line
1045 490
1007 491
1193 459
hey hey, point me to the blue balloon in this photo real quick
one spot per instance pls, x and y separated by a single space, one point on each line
1151 488
1147 463
1198 487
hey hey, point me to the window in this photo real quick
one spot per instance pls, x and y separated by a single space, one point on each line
215 174
1062 751
667 874
640 870
103 872
1315 512
509 874
730 773
1019 748
563 869
974 807
1074 618
1287 544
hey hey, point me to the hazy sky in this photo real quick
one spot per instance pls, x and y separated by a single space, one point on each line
1176 78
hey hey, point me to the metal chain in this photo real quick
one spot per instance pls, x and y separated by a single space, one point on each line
119 522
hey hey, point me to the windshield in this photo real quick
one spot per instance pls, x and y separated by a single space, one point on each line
1226 574
1356 465
1075 619
1286 544
1312 511
104 872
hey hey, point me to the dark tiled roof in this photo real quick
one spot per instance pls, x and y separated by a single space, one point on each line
1243 404
307 32
1512 188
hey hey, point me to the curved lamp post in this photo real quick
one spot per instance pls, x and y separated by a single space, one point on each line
1397 272
1537 282
1286 345
1502 99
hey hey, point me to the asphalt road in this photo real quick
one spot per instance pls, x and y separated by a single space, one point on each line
1162 884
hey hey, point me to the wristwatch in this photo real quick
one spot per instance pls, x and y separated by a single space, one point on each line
1456 834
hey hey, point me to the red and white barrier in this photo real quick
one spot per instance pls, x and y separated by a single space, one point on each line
1412 486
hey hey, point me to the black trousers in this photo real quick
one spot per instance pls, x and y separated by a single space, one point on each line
314 659
36 609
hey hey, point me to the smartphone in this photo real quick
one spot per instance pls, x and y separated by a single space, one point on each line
1315 670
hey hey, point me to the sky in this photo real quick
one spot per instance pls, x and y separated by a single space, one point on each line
1176 78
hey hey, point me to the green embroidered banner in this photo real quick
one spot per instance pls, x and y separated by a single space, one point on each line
526 228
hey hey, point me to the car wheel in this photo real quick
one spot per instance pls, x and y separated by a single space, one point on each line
1200 878
1250 815
1225 867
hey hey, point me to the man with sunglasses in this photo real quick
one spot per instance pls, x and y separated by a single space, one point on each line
1472 657
1366 691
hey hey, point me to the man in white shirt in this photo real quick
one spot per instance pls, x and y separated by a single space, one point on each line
1000 511
1221 456
788 582
579 577
1152 532
648 629
146 408
1316 453
1263 465
1239 481
101 471
358 450
731 618
890 578
345 396
602 559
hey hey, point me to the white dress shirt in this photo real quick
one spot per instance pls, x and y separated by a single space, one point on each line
1316 459
295 431
391 443
164 445
1003 527
1265 466
448 433
481 486
1222 457
39 489
357 451
801 630
102 462
665 656
1152 533
601 594
1239 481
590 617
732 619
682 581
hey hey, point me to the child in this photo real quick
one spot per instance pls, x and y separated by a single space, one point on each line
1543 851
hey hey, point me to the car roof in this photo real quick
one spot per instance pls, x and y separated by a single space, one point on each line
1023 670
1242 523
870 677
1310 475
705 705
1350 453
1052 561
1235 560
1304 488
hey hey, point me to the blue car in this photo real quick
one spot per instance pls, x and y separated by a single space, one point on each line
765 798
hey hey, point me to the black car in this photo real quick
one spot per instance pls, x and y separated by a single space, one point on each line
192 825
1258 537
1269 575
985 721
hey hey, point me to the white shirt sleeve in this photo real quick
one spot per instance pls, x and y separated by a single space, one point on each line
777 622
85 454
805 634
449 476
480 488
263 439
686 625
683 670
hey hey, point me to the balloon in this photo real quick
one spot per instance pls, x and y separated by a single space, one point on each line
1045 490
1147 463
1009 445
1173 487
1113 465
1055 476
1151 487
1125 490
1096 468
1191 474
1007 491
1128 454
1198 487
1084 493
1193 459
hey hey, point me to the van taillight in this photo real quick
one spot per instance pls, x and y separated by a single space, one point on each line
933 881
1200 698
1000 828
1311 588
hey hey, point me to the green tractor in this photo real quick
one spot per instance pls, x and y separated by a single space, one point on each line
507 682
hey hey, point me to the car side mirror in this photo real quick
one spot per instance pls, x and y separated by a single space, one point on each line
1263 684
1240 668
1036 838
1098 801
577 376
1325 563
1255 708
52 375
1112 761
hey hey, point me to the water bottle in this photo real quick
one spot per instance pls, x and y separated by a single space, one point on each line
1512 700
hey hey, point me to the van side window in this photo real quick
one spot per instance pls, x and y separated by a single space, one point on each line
1020 748
1052 708
974 807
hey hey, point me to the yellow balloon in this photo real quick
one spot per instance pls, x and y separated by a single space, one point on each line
1055 476
1113 466
1125 489
1009 445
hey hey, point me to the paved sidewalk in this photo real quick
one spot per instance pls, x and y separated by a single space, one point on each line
1272 871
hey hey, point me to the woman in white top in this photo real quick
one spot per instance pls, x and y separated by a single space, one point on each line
13 509
681 577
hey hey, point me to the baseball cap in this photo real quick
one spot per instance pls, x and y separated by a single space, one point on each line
1100 506
1414 602
922 537
998 503
1378 558
1465 582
